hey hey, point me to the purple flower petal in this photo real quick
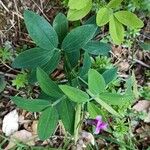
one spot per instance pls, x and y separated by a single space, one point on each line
103 126
97 130
98 123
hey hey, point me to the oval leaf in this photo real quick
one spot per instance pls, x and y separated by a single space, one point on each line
90 20
93 110
67 114
74 94
104 104
115 99
96 82
47 123
32 105
97 48
47 85
78 38
114 3
86 65
102 16
60 25
74 4
40 30
116 30
71 59
74 14
32 58
129 19
109 75
49 67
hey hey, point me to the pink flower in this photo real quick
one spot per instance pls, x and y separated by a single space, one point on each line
98 123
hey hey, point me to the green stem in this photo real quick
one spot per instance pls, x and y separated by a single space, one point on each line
82 80
60 99
77 121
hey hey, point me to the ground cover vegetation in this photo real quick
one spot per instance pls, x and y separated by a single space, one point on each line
75 75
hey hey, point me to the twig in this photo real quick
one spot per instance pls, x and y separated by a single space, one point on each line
12 26
41 2
4 6
40 10
26 40
11 88
17 15
8 74
9 67
140 62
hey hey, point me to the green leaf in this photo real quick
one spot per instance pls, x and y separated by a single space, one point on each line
103 104
32 58
74 94
74 14
40 30
109 75
145 46
114 3
73 4
93 110
44 96
47 123
97 48
67 115
129 19
47 85
91 20
115 99
32 105
72 59
116 30
49 67
102 16
86 65
20 81
6 53
78 38
60 25
107 107
2 83
96 82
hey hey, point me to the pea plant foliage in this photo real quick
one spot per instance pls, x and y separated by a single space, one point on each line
84 89
109 13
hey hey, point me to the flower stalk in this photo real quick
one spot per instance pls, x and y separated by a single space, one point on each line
77 122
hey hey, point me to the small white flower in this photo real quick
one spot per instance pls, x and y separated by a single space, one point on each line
10 123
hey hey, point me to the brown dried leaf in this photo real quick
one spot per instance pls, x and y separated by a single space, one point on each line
117 51
124 66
